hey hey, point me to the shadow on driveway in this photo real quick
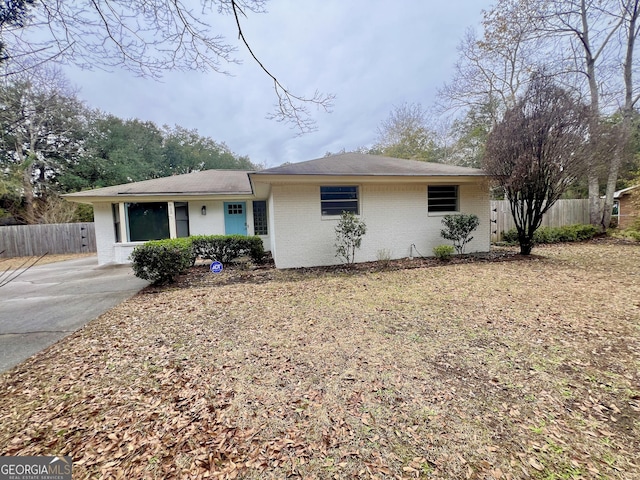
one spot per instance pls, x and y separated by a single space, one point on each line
48 302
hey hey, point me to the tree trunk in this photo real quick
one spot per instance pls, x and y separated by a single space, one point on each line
623 137
526 245
607 207
595 214
29 210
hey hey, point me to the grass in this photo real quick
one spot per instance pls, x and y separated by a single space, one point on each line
528 368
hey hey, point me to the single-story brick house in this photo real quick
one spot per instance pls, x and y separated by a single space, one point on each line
625 210
294 208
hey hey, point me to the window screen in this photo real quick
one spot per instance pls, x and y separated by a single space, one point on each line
443 198
337 199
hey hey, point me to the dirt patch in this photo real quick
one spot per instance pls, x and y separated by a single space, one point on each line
480 368
200 276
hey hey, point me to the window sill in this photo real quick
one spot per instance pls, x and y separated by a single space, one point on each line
334 217
442 214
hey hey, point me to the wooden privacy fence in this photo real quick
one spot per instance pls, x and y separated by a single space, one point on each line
36 240
563 212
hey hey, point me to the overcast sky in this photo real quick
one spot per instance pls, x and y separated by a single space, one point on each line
372 54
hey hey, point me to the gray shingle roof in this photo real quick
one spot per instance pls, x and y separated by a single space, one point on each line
227 182
369 165
237 182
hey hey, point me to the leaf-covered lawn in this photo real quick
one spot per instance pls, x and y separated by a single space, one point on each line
528 368
21 263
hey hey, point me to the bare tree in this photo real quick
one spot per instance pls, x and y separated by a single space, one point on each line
494 68
405 134
148 37
589 47
590 43
536 152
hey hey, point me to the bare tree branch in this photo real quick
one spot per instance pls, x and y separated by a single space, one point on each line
147 37
291 108
10 274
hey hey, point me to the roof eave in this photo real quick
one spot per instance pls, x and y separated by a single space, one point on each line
375 178
154 197
624 191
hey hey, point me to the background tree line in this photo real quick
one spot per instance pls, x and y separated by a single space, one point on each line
52 143
588 48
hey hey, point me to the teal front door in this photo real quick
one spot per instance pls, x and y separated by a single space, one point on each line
235 218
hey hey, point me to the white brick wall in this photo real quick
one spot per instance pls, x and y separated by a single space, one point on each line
105 233
108 250
396 218
210 224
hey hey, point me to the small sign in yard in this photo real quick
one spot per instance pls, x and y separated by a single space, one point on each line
216 267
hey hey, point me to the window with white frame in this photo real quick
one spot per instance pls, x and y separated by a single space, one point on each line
442 198
336 199
615 211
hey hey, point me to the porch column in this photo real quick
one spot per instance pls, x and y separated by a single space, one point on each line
171 210
124 223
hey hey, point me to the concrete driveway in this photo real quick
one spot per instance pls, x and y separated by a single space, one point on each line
48 302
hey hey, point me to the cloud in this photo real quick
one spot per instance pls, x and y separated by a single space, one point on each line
371 54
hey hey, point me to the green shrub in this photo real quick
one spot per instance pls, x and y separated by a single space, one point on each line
633 235
224 248
443 252
585 232
567 233
632 232
458 228
161 261
510 236
349 233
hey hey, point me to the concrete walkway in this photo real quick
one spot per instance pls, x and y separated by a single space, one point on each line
48 302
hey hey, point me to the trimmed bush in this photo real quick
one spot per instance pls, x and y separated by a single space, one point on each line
161 261
349 233
458 228
224 248
568 233
443 252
